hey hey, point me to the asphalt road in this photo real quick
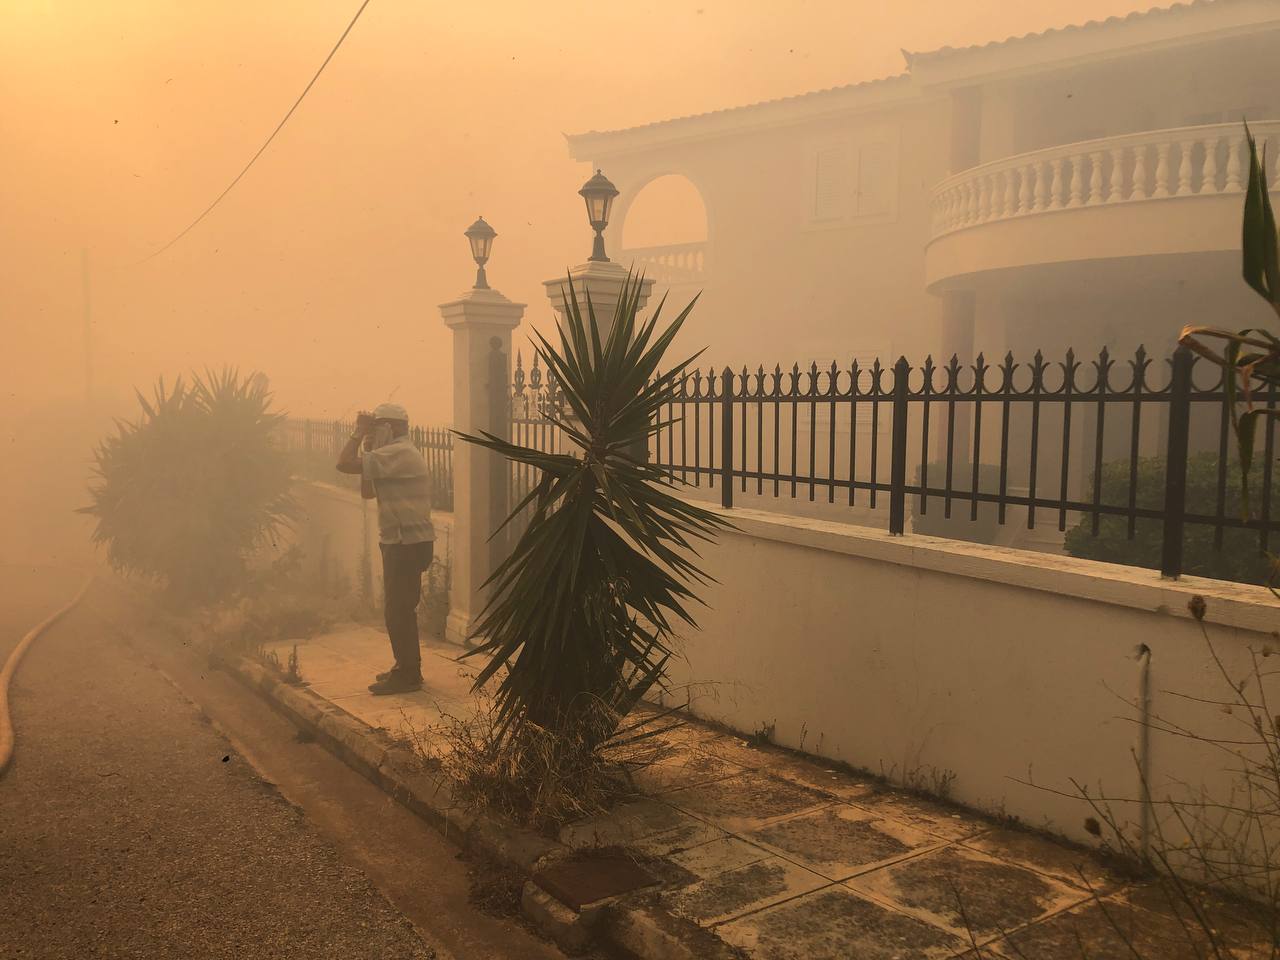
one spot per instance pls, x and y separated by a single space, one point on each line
136 823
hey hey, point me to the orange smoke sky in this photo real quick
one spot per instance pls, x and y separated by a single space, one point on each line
121 119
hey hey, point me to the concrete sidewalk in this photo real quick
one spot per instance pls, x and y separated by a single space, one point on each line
782 857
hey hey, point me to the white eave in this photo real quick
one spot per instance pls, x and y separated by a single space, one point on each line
854 98
931 73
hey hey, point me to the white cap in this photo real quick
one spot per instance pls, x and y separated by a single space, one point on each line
390 411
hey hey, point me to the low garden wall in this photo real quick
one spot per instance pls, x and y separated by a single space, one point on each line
968 668
993 675
337 533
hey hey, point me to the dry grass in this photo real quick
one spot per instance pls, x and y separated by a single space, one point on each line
537 777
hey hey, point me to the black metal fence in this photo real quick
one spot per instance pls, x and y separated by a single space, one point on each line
1041 438
534 400
316 444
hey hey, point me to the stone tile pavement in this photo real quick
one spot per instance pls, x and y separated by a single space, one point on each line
785 858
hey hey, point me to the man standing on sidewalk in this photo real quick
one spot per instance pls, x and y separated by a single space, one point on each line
392 471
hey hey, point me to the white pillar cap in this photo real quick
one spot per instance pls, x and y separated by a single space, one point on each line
488 307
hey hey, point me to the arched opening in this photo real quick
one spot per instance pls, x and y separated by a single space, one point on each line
664 231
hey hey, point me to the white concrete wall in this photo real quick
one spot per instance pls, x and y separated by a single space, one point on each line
337 531
902 655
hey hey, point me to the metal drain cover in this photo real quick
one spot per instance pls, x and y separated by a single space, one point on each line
579 882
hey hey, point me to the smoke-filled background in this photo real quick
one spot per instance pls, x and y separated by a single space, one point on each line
121 120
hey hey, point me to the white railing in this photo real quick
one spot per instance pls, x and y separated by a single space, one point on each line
669 264
1157 165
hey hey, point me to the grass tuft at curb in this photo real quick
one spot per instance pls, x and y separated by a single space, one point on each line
638 925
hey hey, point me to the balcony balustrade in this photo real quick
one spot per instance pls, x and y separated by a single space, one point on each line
669 264
1146 167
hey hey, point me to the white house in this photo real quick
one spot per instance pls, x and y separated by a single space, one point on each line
1080 186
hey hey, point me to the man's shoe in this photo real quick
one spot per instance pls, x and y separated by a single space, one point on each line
396 683
384 674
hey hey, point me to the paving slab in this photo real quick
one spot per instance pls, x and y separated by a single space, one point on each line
1110 930
813 773
1235 924
687 732
967 893
840 841
715 857
942 820
835 923
691 833
740 750
337 689
733 893
685 767
1072 865
786 856
746 801
625 824
340 665
402 719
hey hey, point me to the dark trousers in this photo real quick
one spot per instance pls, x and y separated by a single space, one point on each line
402 568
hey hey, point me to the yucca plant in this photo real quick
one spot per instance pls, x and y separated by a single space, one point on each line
1251 356
581 615
188 491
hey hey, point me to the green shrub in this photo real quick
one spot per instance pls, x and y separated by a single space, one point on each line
191 489
1240 558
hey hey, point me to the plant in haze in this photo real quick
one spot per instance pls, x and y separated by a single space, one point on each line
1251 356
192 488
580 618
1238 559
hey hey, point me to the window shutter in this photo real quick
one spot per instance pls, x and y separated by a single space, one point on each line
831 182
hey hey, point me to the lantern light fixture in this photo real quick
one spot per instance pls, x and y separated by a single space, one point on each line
598 192
480 235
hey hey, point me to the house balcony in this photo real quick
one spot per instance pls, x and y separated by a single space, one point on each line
1164 195
669 265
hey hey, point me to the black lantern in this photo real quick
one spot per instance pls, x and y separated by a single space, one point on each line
598 192
480 235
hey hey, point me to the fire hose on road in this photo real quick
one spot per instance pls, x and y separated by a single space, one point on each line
11 667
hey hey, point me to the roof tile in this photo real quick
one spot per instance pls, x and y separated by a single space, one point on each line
1088 25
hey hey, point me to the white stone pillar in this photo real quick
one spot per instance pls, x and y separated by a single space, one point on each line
481 321
604 280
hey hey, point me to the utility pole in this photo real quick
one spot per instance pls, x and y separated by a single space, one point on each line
88 324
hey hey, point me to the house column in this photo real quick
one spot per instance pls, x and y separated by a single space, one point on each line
481 321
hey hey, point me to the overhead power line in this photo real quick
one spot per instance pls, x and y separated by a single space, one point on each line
262 149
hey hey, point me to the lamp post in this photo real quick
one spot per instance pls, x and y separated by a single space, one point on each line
598 192
598 278
480 235
481 321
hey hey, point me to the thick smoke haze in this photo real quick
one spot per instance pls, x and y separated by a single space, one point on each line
121 120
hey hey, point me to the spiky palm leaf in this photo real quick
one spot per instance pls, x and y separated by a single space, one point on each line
187 491
583 609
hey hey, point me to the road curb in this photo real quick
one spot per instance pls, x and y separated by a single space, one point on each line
640 925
